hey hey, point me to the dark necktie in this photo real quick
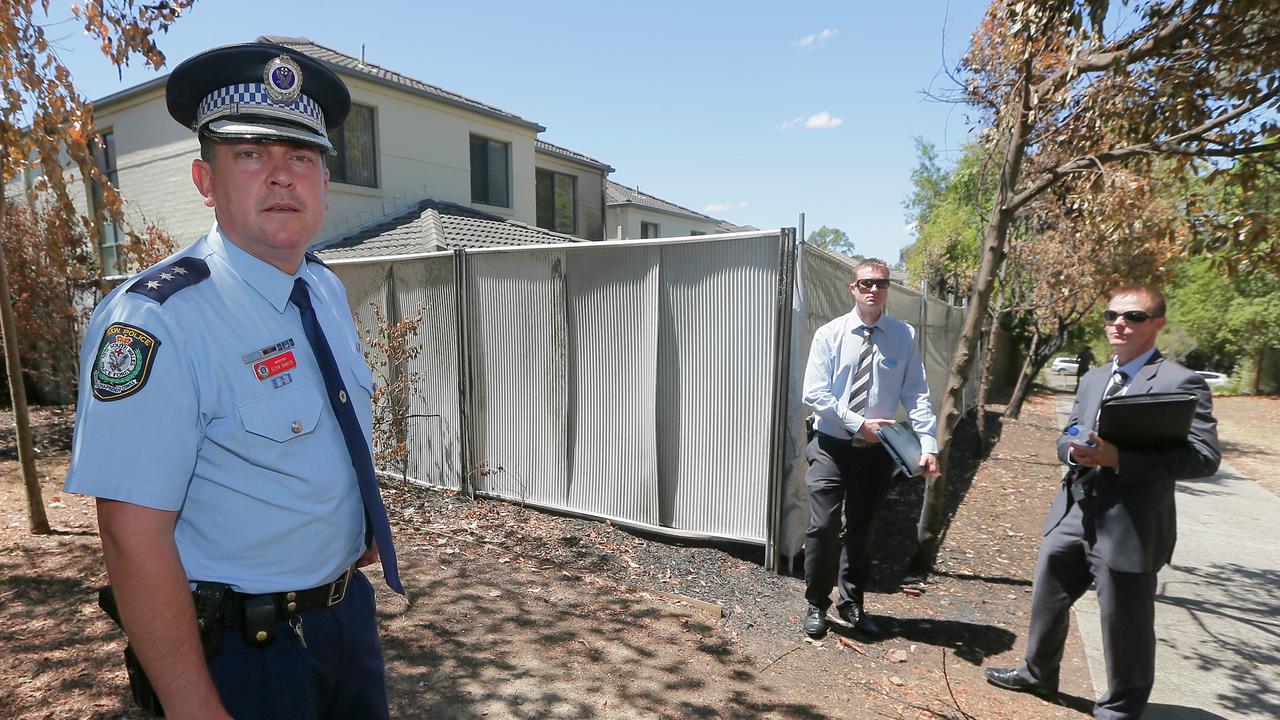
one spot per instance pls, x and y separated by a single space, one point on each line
862 376
1118 379
375 513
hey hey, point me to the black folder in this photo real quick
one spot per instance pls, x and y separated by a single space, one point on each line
1147 422
900 441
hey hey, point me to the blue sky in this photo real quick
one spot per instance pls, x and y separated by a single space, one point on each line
751 112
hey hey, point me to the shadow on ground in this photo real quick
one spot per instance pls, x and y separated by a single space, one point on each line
1245 632
522 645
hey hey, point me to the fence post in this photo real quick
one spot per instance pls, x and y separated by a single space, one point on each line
783 311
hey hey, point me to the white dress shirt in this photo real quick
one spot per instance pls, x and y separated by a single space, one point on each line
897 377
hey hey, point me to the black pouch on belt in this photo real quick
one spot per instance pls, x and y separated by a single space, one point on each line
210 604
258 619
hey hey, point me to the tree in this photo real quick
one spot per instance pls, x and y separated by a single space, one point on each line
1071 90
946 210
42 120
832 239
1235 315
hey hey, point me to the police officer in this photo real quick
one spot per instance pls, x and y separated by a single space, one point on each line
223 421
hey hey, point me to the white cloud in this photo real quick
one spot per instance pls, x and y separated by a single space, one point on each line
816 39
721 207
822 121
817 121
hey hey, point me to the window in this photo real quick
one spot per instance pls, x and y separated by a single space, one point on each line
649 230
109 234
693 233
490 179
357 160
556 201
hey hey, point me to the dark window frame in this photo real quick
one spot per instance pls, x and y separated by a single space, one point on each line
552 222
340 166
110 237
645 234
483 174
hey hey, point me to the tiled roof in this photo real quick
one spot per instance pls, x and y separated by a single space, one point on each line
432 226
391 77
727 226
618 194
546 147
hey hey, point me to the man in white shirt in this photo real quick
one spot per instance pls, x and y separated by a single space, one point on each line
862 366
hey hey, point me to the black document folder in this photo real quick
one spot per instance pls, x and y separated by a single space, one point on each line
900 441
1147 422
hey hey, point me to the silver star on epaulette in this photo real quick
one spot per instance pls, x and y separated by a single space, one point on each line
153 285
180 270
166 276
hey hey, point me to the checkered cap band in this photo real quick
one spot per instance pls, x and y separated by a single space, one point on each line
246 98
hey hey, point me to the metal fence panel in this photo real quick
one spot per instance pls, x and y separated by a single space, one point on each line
519 374
427 286
613 340
715 344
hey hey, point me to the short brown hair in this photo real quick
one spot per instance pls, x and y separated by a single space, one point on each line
206 148
876 263
1151 292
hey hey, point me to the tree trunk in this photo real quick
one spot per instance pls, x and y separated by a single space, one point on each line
994 238
1257 370
17 391
984 378
1014 408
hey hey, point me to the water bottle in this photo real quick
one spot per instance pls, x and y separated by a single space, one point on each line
1079 436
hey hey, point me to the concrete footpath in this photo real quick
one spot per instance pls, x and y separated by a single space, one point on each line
1217 604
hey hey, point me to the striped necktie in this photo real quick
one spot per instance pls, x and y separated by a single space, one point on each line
1116 384
862 378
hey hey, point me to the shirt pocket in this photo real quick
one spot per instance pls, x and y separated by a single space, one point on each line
284 416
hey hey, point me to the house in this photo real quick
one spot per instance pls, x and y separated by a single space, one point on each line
405 143
631 214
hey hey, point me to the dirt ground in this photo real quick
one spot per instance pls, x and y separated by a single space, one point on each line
516 613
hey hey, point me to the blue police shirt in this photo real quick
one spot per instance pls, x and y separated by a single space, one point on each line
199 394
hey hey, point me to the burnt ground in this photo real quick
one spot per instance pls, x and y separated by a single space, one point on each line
517 613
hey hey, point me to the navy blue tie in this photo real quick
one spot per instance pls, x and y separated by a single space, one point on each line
375 513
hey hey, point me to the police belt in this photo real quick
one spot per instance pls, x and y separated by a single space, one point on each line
253 609
856 442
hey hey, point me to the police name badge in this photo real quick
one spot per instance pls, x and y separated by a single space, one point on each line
123 362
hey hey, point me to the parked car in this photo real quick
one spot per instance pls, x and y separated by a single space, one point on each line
1065 365
1213 378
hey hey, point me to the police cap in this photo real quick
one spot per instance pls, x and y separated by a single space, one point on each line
258 91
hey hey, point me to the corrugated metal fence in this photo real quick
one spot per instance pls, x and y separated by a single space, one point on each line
652 383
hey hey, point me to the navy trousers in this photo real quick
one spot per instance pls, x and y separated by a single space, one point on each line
847 488
338 674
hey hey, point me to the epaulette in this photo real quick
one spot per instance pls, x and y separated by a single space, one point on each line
161 283
312 257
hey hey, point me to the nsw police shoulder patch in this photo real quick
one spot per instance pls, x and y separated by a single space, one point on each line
123 362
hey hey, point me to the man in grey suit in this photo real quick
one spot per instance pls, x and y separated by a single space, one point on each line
1114 522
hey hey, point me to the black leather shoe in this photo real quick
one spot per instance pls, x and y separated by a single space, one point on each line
860 620
815 622
1010 679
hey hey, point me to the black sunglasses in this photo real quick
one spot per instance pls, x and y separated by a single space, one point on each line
1133 316
868 283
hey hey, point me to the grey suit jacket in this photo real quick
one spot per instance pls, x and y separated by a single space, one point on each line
1133 510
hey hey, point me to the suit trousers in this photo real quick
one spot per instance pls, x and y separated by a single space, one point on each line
847 486
336 673
1068 562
